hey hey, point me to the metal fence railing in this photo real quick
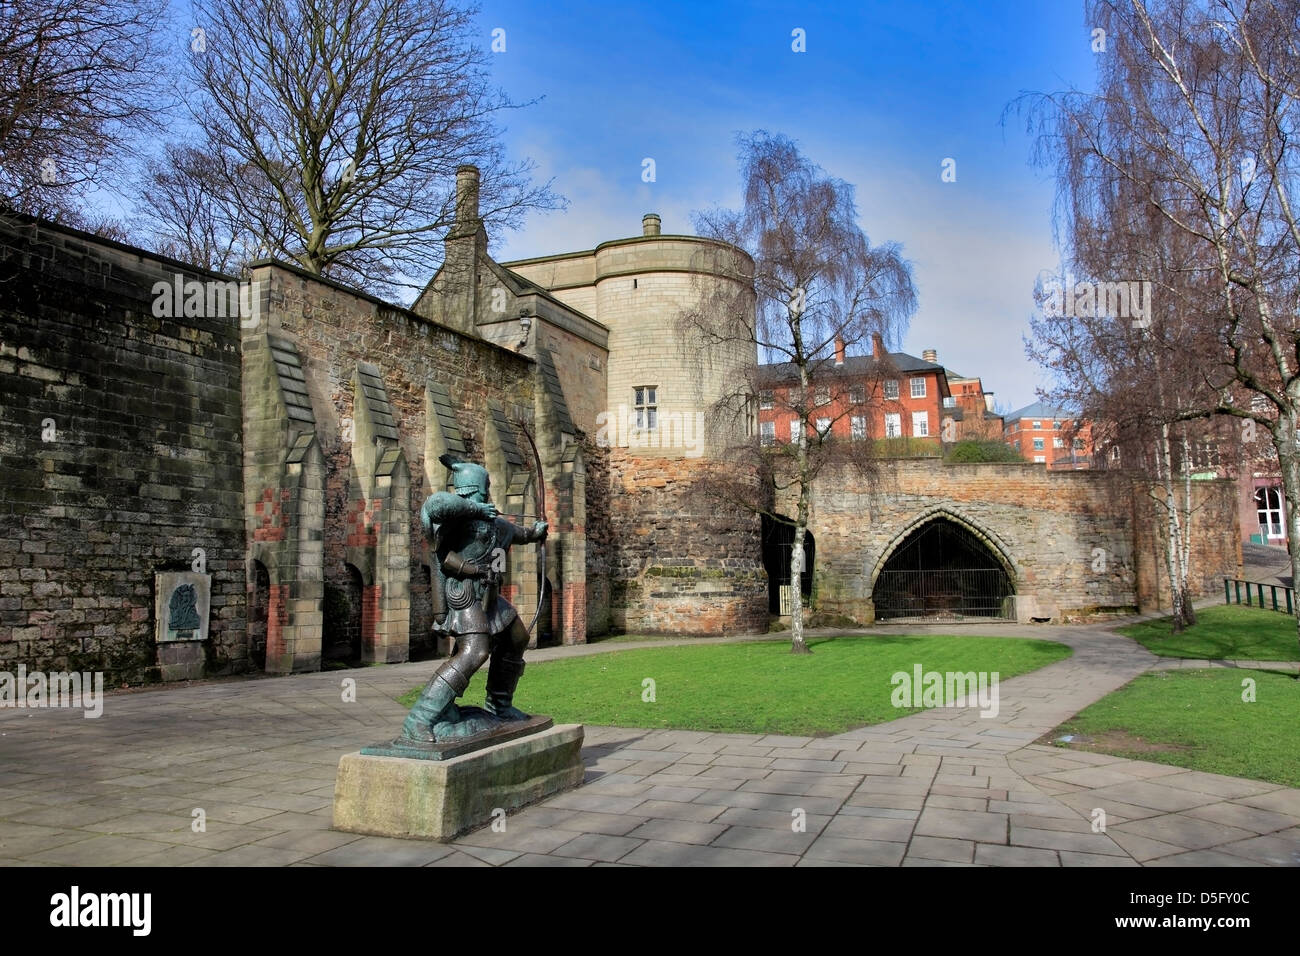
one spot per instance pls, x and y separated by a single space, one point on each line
944 594
1230 592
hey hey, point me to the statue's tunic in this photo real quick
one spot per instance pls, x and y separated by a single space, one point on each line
452 525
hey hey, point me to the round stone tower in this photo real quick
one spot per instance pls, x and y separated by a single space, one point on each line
660 384
684 563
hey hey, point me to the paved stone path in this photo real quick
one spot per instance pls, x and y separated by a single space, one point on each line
942 787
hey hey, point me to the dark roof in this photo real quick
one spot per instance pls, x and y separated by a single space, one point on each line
854 365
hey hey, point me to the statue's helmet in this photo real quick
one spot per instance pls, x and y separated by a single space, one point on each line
466 477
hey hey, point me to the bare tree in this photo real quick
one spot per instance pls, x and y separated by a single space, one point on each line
332 131
181 204
816 281
1195 117
77 79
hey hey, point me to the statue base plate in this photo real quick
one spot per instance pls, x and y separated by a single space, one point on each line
495 732
440 798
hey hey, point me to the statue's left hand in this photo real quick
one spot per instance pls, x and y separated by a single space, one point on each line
539 530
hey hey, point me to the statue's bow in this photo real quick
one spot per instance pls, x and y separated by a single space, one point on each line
541 512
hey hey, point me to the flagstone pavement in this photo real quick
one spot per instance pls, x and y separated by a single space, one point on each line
945 787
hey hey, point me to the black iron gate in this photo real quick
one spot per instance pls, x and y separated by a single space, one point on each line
943 572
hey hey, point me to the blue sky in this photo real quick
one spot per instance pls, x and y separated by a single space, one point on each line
885 92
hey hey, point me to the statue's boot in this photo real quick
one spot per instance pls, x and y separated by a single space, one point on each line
437 704
503 678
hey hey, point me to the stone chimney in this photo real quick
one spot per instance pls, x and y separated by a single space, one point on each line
930 355
466 195
839 350
650 224
465 247
877 346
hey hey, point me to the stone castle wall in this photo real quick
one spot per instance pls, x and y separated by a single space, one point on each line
1071 551
120 453
334 329
679 563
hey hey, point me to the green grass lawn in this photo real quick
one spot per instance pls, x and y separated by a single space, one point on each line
757 687
1227 632
1197 719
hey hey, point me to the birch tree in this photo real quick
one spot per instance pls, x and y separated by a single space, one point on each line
1194 116
816 279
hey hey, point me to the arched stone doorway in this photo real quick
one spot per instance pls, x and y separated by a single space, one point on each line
341 631
778 542
943 569
259 600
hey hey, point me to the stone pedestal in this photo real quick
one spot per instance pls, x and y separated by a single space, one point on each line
440 799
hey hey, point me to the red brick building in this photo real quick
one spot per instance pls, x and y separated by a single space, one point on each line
971 408
1049 435
882 395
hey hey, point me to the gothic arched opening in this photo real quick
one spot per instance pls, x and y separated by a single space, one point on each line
341 631
943 571
778 545
259 602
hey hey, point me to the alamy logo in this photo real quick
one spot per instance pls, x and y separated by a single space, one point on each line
947 689
677 430
212 299
75 908
61 689
1095 300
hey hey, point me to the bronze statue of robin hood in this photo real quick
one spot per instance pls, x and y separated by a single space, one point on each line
468 543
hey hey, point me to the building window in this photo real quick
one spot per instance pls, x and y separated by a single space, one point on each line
644 400
1114 453
1268 505
858 395
949 402
891 389
1056 426
1017 445
859 427
893 425
1078 444
918 387
767 432
822 395
920 422
1038 444
823 427
1040 460
795 433
1058 443
1038 424
765 398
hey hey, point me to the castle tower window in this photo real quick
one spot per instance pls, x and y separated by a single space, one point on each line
644 400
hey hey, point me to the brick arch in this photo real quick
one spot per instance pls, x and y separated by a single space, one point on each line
946 512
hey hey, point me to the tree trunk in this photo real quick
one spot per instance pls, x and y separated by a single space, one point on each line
1164 469
1288 457
1185 535
797 643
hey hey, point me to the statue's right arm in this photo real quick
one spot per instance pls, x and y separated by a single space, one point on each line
443 506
